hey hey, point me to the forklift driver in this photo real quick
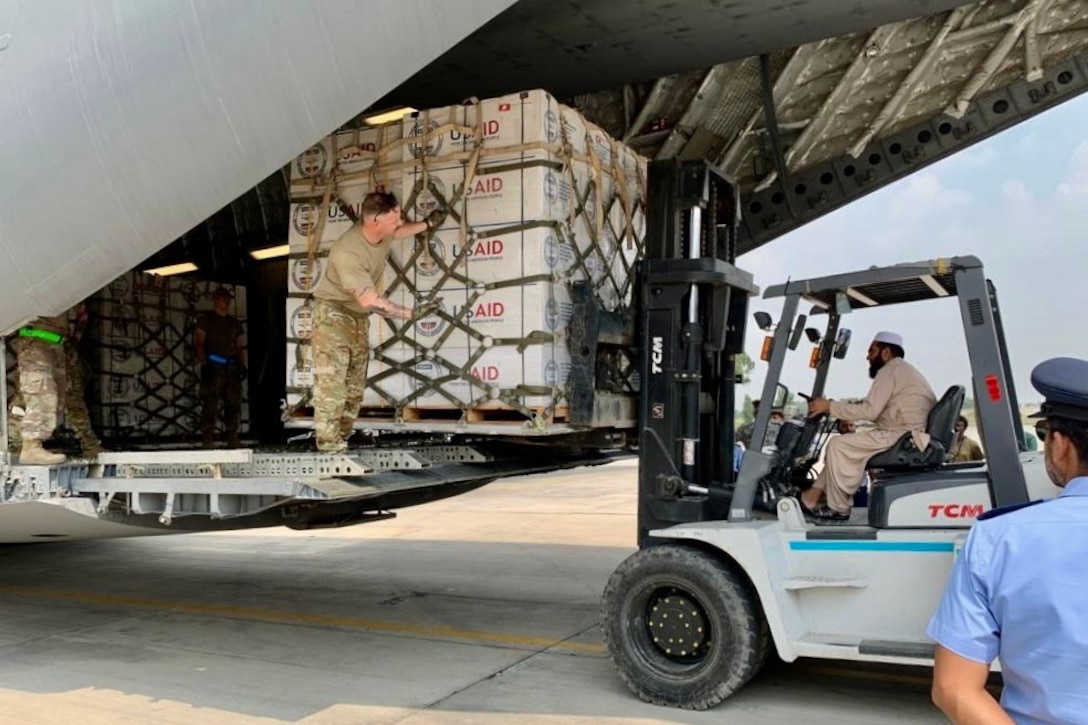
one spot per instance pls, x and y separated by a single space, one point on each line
898 401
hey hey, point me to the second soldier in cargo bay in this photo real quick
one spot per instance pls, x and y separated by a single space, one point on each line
220 350
343 301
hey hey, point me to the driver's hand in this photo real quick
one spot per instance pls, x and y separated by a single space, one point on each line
818 406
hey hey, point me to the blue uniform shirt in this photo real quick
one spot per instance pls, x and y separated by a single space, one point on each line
1019 592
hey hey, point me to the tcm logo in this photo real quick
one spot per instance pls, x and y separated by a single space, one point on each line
486 373
955 510
657 355
484 248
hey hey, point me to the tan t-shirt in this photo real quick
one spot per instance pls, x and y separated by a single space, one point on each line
354 264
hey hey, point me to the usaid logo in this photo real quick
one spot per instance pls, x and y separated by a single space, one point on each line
551 187
551 373
302 322
432 325
301 375
551 251
595 266
120 287
119 386
120 351
312 162
551 314
427 200
426 372
304 275
358 157
304 218
120 417
192 293
429 265
424 147
551 126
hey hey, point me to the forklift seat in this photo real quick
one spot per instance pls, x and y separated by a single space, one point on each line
940 425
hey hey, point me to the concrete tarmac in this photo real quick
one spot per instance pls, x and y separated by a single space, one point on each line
477 609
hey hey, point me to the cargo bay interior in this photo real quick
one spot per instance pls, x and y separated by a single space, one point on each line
804 128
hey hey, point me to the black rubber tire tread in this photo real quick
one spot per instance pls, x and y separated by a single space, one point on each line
740 640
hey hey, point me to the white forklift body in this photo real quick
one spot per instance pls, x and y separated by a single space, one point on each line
729 565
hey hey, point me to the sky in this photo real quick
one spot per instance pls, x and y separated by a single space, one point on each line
1018 201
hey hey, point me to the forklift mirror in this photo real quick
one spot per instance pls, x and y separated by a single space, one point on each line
764 321
842 344
781 397
813 335
798 329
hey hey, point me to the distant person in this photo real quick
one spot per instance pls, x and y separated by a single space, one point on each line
1019 588
220 350
963 448
744 432
899 401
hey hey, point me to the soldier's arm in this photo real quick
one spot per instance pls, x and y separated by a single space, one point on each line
369 299
410 229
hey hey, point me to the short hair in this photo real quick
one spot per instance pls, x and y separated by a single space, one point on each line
895 350
1077 433
378 202
963 420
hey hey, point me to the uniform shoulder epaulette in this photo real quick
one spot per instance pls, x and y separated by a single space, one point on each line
994 513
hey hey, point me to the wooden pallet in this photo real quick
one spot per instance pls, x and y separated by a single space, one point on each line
491 413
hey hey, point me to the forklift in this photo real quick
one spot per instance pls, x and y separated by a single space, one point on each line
728 566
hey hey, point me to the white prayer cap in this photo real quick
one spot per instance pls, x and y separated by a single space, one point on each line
889 338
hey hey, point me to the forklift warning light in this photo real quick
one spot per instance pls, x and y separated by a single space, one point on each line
814 359
993 388
765 353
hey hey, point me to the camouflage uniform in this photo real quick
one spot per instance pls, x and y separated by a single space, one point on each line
39 364
341 352
76 415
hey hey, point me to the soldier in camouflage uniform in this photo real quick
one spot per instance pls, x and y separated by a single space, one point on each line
40 359
51 374
76 415
344 299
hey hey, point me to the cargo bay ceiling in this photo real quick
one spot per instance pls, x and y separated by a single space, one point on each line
809 104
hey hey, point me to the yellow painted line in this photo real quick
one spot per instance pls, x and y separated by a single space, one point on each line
275 615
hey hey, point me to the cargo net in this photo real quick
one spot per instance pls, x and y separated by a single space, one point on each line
522 222
146 385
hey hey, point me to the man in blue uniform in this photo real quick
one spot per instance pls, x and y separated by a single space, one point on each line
1019 589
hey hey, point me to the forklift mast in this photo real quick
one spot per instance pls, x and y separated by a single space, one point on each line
694 304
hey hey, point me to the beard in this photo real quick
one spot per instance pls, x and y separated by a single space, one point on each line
874 367
1055 475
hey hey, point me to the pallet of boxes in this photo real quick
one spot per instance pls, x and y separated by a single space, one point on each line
537 200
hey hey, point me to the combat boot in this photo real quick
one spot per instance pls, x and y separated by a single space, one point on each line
233 441
208 441
33 454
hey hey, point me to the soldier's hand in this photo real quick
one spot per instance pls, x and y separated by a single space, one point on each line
427 308
435 219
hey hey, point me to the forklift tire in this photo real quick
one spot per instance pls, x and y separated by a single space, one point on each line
695 587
